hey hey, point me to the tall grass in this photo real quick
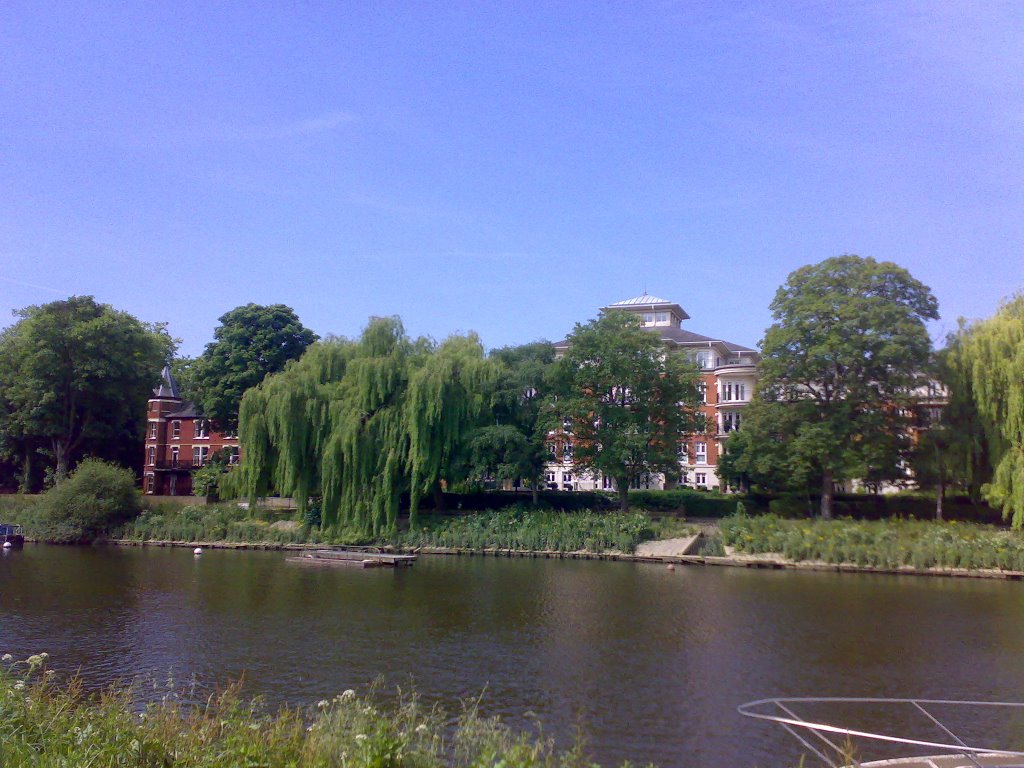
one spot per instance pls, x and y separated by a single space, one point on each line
210 522
887 544
43 722
526 528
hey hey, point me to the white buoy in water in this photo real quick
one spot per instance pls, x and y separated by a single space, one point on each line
8 545
197 551
671 567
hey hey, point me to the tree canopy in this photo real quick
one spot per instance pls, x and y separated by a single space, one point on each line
838 371
987 359
74 378
624 402
250 343
359 423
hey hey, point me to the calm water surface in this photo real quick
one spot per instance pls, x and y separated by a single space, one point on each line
648 664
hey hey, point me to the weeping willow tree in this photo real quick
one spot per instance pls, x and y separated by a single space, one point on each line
359 423
988 357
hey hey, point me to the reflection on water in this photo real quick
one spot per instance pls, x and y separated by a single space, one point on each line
649 664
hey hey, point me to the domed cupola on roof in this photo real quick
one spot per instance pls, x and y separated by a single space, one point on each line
652 310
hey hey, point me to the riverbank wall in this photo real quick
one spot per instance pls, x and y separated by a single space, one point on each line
757 562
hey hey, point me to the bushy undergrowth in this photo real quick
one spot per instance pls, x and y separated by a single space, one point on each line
888 544
46 723
96 499
212 522
690 502
526 528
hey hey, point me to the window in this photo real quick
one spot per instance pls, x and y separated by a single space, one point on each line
150 483
704 358
199 454
648 318
201 426
567 452
700 478
681 451
606 482
151 455
567 477
174 456
661 318
175 429
730 421
232 454
702 391
152 430
733 390
550 477
701 449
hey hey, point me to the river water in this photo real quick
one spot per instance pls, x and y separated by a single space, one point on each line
648 664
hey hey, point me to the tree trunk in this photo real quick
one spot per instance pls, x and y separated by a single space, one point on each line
534 493
60 453
26 472
622 487
939 500
826 495
438 495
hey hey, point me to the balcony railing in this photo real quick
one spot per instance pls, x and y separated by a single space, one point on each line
177 464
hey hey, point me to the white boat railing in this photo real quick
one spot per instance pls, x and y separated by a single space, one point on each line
832 742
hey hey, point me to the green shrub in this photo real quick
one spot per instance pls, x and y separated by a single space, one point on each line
95 500
690 502
528 528
43 722
883 544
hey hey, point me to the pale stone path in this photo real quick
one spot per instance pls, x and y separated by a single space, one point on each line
666 547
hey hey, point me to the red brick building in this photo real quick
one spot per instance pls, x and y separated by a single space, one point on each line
178 440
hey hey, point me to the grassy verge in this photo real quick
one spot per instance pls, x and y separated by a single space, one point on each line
43 722
886 544
520 527
525 528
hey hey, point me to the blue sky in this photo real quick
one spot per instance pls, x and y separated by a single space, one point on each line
504 168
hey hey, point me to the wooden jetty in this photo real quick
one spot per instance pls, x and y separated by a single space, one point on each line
12 535
353 558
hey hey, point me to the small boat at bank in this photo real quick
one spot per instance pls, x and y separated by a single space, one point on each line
11 536
932 732
353 558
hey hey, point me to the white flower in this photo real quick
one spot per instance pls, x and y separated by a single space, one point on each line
323 703
360 737
34 659
421 728
44 655
6 657
19 686
348 695
49 673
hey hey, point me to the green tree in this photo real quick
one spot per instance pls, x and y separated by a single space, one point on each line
251 342
94 501
513 447
624 401
988 359
838 371
362 422
74 378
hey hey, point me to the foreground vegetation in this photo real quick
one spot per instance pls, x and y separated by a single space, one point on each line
885 544
43 722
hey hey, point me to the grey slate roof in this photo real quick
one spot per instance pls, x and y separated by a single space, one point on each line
188 410
168 386
679 336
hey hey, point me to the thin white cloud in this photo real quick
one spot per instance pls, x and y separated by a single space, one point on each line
36 286
312 126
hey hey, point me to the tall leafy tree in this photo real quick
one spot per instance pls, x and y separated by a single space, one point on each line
988 356
512 447
359 423
74 378
251 342
838 371
626 402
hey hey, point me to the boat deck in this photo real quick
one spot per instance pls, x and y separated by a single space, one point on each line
353 558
